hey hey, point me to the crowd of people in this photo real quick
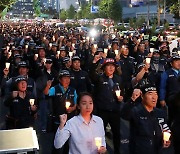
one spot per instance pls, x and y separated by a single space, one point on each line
77 85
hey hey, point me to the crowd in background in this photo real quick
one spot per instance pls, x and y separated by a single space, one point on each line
43 67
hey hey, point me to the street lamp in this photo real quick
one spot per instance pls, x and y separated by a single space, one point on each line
148 15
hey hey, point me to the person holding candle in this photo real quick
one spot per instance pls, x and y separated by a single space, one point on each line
61 93
170 85
148 124
108 104
19 104
128 70
48 74
84 131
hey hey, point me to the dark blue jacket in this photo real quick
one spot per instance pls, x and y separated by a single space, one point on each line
169 85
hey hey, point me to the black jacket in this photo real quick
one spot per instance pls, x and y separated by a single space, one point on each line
146 129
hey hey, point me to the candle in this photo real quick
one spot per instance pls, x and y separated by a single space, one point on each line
44 60
7 48
161 38
58 52
95 46
118 93
54 39
105 50
109 46
50 45
10 53
87 38
44 38
70 54
36 55
148 60
179 53
68 105
151 50
31 101
116 52
98 142
73 45
131 34
92 39
166 136
7 65
26 46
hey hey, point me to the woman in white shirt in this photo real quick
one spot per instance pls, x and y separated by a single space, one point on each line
81 130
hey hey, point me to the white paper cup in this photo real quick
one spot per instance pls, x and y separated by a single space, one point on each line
73 45
116 52
58 52
98 142
118 93
36 55
87 38
179 53
105 50
166 136
148 60
67 105
70 54
50 45
7 65
7 48
95 46
151 50
31 101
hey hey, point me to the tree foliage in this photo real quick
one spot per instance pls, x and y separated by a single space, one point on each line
6 3
37 9
115 11
175 8
71 12
63 15
110 9
104 8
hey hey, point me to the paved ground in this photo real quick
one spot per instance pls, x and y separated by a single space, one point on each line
46 140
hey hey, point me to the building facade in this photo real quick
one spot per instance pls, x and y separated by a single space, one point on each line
23 9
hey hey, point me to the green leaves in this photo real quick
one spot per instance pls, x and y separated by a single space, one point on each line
6 4
71 12
63 15
37 9
110 9
175 10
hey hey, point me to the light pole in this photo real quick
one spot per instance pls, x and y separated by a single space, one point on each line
148 14
164 11
158 12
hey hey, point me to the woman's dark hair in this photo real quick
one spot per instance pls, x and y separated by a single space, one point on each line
80 96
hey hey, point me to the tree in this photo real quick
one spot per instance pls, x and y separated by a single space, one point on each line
110 9
115 10
174 7
37 9
104 8
6 4
71 12
63 15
